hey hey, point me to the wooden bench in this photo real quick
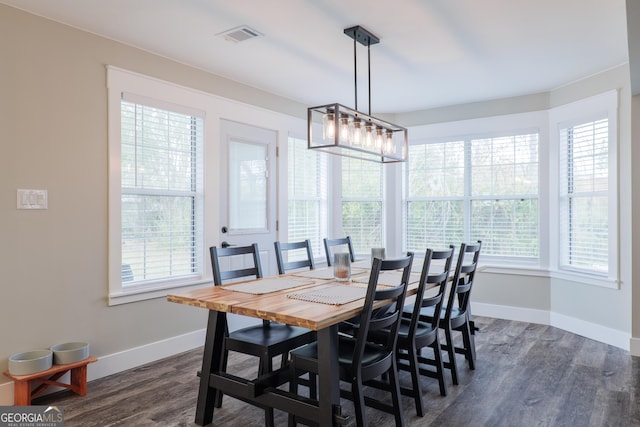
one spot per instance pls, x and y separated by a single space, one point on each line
22 393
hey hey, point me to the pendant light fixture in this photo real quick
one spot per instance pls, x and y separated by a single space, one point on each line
344 131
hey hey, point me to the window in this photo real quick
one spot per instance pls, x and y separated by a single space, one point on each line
434 207
586 234
307 196
584 201
156 190
161 206
362 203
504 195
474 189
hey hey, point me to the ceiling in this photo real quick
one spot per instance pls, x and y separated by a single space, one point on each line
431 53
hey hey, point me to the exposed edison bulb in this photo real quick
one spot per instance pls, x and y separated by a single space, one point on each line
357 135
345 131
389 146
368 135
379 139
329 126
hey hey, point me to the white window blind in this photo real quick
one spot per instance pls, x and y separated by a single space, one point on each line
584 197
362 203
307 197
474 189
434 214
161 194
504 195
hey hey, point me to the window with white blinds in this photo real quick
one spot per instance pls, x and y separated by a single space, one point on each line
474 189
307 197
161 194
504 195
362 203
584 197
435 185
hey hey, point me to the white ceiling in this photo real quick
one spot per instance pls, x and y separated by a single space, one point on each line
432 52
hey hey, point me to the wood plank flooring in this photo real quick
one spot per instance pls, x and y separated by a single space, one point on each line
526 375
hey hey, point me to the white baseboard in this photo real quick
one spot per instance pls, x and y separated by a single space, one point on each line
635 347
127 359
592 331
586 329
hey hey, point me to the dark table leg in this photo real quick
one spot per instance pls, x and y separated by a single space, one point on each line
328 375
211 361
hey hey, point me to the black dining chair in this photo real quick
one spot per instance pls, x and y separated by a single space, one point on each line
415 334
456 315
331 243
284 266
264 341
362 361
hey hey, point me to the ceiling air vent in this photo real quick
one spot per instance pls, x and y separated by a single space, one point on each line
240 34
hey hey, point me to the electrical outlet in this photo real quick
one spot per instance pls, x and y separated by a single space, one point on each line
32 199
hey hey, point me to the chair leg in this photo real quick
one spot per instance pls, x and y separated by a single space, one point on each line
452 356
415 380
313 386
437 357
293 388
285 358
395 394
266 365
469 345
358 401
218 397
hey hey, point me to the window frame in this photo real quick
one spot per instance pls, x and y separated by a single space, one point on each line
602 106
139 88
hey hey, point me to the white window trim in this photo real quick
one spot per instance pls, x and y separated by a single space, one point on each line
121 81
585 110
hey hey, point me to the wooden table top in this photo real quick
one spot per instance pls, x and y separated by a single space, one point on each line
275 306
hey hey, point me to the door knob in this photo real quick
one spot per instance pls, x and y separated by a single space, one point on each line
225 244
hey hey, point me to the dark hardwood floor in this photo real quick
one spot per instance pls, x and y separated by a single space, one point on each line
526 375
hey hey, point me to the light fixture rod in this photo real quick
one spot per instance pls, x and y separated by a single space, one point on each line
369 72
365 38
355 72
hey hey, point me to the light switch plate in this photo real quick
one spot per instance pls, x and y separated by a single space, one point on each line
32 199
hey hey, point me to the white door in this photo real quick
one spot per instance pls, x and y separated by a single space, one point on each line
248 190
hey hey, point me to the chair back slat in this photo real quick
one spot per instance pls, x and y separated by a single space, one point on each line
329 243
219 275
283 266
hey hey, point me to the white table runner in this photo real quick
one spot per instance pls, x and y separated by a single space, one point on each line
270 284
333 295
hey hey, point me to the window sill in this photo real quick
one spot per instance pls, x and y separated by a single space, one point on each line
146 293
524 270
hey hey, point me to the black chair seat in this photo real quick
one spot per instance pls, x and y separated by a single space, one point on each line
426 313
273 335
422 329
372 353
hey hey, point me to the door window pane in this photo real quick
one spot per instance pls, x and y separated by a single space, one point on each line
247 186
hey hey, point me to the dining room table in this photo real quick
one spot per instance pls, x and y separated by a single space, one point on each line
311 299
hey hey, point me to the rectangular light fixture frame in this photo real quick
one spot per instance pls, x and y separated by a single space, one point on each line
384 143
